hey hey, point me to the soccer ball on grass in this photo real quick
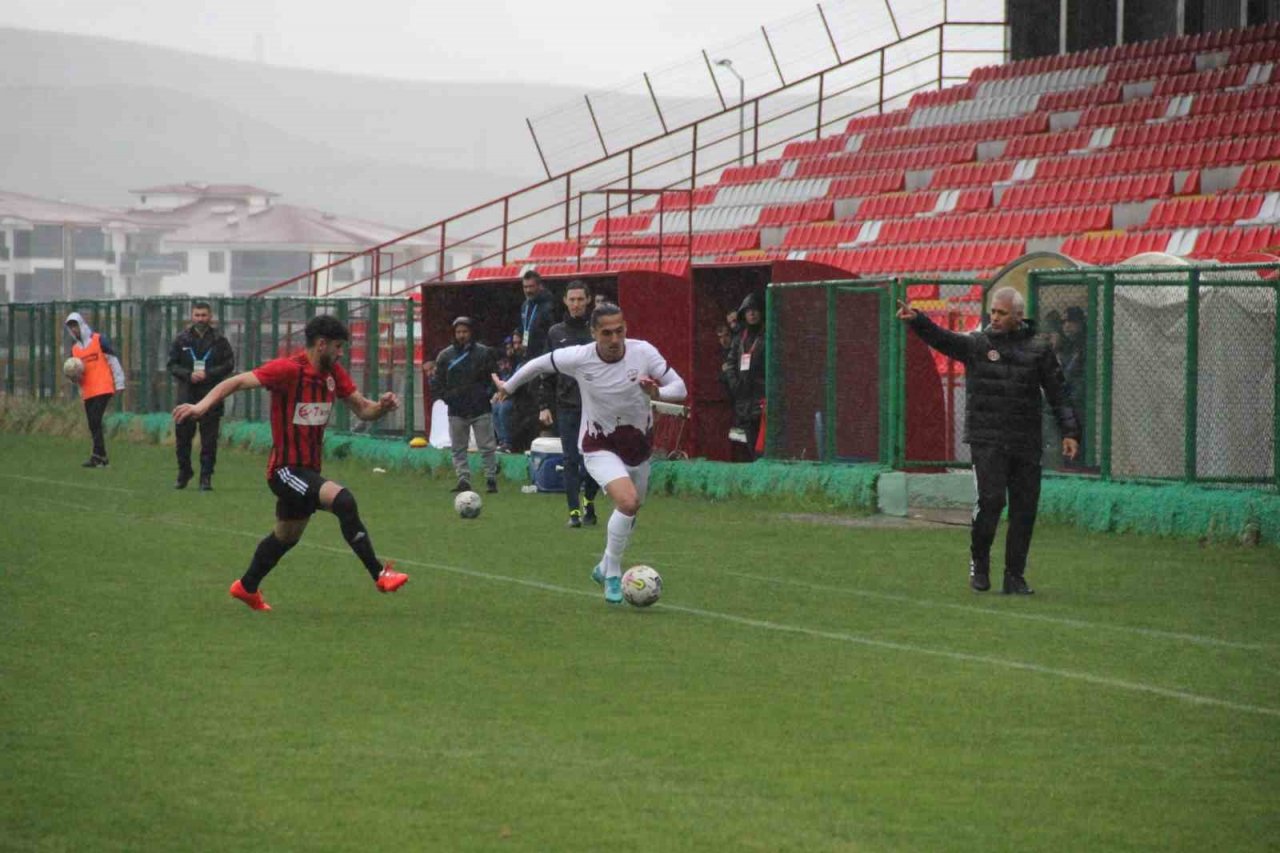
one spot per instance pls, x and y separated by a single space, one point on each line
641 586
467 504
73 369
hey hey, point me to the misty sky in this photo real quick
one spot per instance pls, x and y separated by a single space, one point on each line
578 43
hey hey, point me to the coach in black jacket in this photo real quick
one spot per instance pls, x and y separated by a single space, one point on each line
1006 366
460 377
199 358
562 401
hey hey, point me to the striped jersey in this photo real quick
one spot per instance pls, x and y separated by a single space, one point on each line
301 402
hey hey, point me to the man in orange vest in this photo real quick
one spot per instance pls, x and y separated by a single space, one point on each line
101 378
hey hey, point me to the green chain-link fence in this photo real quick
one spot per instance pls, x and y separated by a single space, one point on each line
382 354
1173 370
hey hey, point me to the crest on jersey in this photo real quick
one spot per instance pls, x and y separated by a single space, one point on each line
632 374
328 381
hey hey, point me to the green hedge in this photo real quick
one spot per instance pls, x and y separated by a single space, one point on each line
1166 510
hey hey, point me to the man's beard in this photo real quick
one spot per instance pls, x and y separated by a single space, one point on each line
326 361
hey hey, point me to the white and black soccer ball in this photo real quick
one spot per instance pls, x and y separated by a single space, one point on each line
467 504
73 369
641 586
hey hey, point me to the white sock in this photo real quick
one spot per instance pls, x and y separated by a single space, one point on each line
616 542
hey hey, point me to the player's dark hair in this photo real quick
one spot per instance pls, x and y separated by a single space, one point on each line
532 274
579 284
201 304
607 309
326 326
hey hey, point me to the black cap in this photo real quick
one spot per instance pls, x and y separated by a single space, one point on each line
464 321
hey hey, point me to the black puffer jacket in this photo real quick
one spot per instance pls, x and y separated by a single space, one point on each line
212 348
1004 375
463 379
558 390
536 316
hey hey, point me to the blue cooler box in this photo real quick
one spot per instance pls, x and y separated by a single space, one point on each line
546 464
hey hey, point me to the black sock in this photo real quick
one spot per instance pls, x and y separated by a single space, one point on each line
265 557
344 507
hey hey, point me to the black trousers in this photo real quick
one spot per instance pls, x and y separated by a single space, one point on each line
576 478
998 473
94 409
184 432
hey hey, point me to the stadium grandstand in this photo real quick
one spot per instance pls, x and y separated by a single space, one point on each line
1168 145
1164 146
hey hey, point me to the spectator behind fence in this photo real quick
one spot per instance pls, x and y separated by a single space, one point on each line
502 411
562 402
1073 354
99 380
1006 366
199 358
743 372
461 376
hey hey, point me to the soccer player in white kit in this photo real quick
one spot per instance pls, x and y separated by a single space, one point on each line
617 378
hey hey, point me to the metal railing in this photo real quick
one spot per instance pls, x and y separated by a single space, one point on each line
686 156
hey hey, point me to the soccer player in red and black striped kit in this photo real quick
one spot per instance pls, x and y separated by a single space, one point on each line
303 388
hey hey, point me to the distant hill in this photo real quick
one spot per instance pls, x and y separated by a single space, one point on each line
88 119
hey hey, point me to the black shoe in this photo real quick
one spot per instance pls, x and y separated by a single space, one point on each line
589 513
206 482
979 577
95 461
181 482
491 486
1016 585
464 485
575 518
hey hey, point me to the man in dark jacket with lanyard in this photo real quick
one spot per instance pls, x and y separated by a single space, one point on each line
537 314
743 371
562 401
460 376
1006 366
199 358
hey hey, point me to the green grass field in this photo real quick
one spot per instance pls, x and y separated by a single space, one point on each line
802 686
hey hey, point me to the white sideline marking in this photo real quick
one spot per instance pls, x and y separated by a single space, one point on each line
986 611
764 624
69 483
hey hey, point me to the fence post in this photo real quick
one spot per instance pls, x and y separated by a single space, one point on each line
829 403
144 373
344 414
371 349
900 384
772 401
884 376
1108 366
31 352
1192 401
1088 426
410 369
11 327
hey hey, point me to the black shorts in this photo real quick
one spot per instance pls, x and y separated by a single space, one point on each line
297 492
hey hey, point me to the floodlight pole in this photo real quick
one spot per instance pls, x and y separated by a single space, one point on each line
727 64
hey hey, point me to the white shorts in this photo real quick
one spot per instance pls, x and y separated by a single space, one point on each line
605 466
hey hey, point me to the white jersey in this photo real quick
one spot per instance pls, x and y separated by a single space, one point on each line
616 414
